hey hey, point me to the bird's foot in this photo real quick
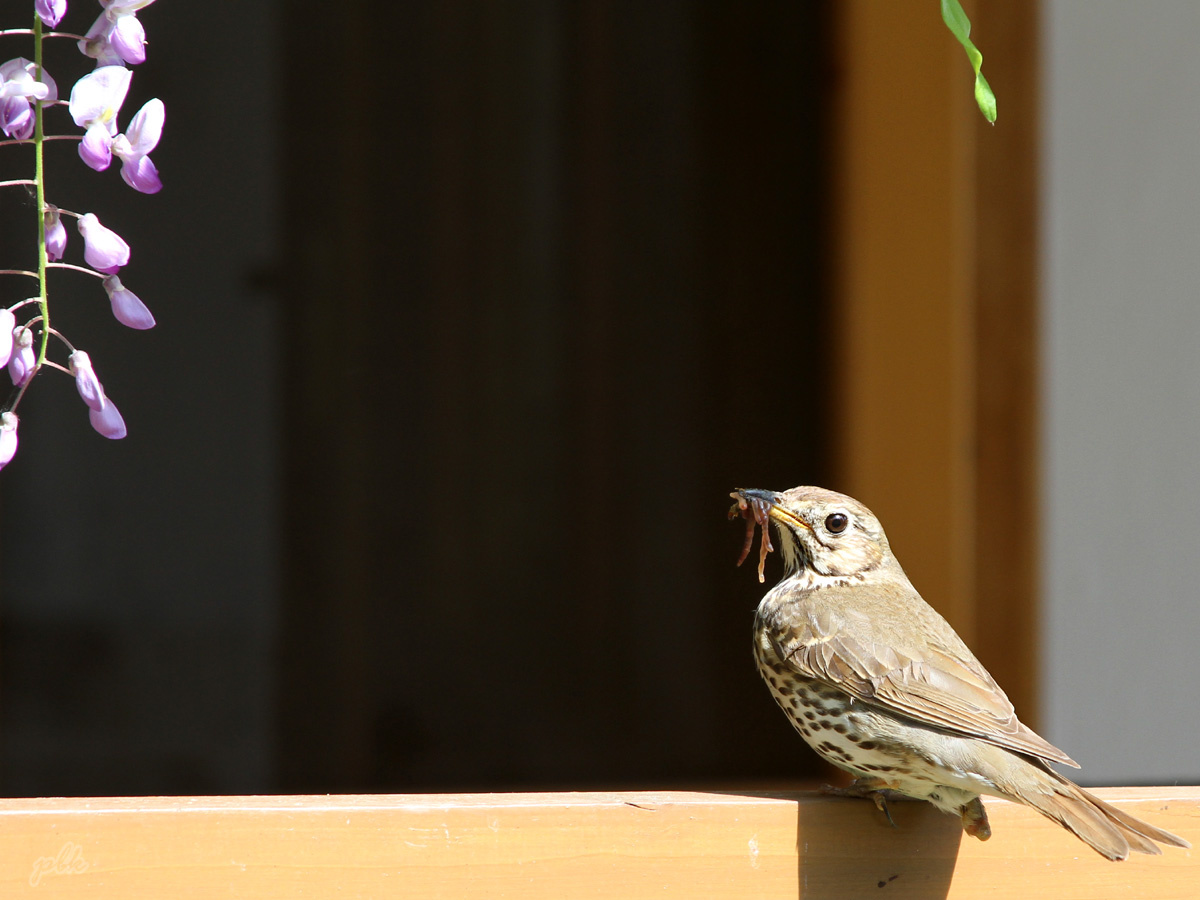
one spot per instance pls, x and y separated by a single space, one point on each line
874 789
975 820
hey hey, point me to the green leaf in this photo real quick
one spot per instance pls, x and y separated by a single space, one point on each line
960 26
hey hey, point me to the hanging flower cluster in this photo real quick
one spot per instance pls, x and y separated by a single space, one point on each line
27 92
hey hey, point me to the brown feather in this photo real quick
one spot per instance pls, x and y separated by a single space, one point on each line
1108 830
936 682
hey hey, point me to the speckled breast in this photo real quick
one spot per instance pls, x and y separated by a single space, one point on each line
833 723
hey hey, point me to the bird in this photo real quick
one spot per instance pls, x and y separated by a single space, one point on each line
880 685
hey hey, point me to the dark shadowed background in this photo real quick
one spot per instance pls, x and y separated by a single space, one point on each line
469 317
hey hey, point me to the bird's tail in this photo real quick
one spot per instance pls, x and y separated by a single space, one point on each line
1111 832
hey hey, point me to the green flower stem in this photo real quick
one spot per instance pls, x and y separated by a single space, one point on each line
39 176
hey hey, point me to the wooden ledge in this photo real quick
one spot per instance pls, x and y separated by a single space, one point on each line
567 845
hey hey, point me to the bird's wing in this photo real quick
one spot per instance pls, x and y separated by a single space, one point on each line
939 684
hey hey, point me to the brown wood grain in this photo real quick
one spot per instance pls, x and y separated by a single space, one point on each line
936 282
1007 527
627 845
902 290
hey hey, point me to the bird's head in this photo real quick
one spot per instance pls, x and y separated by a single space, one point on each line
824 532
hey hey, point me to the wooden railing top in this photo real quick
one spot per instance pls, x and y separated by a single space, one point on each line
567 845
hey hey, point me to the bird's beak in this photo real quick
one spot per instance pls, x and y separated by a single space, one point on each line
774 510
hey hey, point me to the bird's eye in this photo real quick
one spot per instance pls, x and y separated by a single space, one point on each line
835 523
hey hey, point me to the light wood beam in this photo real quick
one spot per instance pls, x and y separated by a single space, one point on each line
620 845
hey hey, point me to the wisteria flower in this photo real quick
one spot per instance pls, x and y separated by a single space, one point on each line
108 421
126 305
19 76
18 86
116 36
115 40
56 234
86 382
103 249
22 362
134 146
8 437
50 11
95 101
16 118
7 323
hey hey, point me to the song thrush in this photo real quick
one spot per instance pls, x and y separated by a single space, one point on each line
880 685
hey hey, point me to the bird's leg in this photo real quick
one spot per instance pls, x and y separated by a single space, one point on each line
876 789
975 820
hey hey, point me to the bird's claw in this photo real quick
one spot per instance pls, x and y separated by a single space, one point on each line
873 789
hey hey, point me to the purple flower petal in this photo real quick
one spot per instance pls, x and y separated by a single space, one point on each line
128 39
132 147
16 118
96 147
8 438
145 128
126 306
22 362
108 421
7 323
56 234
19 77
50 11
96 98
86 382
103 248
142 175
